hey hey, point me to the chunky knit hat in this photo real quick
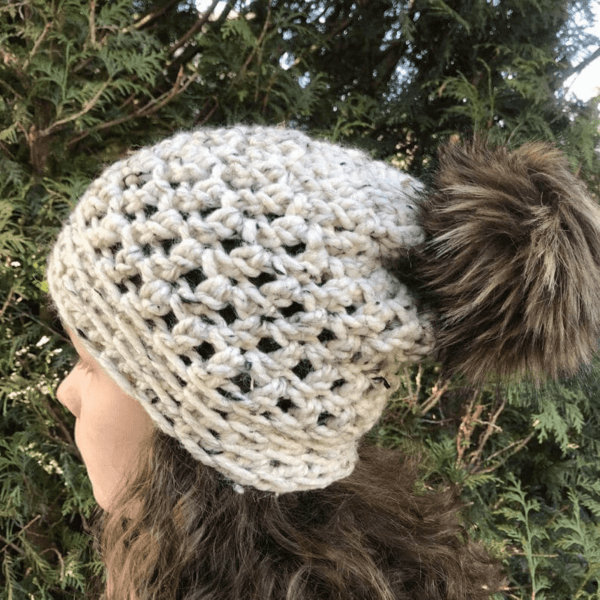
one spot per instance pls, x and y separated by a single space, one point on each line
233 281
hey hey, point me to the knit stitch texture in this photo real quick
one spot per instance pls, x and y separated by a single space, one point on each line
233 282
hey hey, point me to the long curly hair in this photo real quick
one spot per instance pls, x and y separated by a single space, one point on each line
180 531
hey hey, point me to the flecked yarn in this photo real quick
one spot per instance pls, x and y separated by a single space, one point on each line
232 281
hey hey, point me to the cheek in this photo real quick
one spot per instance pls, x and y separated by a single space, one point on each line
113 419
108 433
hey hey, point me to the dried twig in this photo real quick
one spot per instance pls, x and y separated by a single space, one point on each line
467 427
411 393
437 391
518 447
491 427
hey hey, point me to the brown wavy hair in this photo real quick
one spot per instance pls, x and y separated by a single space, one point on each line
180 531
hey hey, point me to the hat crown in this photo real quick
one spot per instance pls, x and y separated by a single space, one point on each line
232 280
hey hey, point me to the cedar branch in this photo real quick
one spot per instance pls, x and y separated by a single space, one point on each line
37 44
86 108
148 109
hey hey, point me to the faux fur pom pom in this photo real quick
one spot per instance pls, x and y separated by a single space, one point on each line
511 262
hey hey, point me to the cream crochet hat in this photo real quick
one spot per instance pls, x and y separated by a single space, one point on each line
233 282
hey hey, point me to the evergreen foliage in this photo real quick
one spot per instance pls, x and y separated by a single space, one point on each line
83 81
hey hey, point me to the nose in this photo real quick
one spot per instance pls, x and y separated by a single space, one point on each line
68 395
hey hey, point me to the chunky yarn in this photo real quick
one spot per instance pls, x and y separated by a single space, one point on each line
233 281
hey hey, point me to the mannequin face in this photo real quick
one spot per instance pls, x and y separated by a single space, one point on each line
110 425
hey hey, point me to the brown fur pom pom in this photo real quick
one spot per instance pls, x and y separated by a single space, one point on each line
511 262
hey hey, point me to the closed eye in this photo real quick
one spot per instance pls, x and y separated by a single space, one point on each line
84 366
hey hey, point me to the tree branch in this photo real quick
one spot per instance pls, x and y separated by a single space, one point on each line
37 45
519 446
491 425
149 109
210 113
7 302
259 41
582 65
188 54
194 28
92 26
13 546
8 544
86 108
152 16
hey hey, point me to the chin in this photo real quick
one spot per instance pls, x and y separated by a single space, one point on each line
101 499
